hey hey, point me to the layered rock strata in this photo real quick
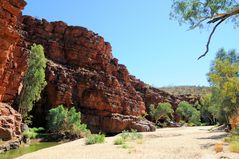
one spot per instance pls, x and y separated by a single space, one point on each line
82 72
12 56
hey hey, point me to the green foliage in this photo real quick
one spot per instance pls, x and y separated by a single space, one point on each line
206 109
235 131
95 138
162 111
32 133
33 81
188 113
62 120
133 135
234 146
128 136
233 140
119 141
193 12
223 77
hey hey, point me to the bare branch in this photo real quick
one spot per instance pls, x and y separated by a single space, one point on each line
210 37
220 18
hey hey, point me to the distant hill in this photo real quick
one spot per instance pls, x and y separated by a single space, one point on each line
181 90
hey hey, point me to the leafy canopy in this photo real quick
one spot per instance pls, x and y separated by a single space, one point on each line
62 120
161 111
206 109
34 80
188 113
194 12
224 80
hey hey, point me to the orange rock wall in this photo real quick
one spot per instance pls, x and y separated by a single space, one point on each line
12 61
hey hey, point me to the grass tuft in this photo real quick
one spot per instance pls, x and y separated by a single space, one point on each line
234 146
95 138
119 141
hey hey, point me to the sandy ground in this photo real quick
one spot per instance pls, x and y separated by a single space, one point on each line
167 143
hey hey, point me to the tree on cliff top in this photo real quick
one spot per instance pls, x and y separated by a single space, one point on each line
33 81
196 12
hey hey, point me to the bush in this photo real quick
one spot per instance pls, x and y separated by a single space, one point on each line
95 138
188 113
32 133
234 146
119 141
129 136
161 111
62 120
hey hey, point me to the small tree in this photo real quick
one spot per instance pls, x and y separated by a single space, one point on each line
188 113
206 109
62 120
225 87
33 81
161 111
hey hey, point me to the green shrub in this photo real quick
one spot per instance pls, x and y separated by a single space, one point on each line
62 120
188 113
119 141
95 138
235 131
32 133
133 135
234 146
161 111
125 146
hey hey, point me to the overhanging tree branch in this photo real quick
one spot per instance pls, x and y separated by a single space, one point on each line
210 37
218 18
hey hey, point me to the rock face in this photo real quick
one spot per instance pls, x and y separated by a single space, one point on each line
10 122
12 56
12 67
82 72
151 95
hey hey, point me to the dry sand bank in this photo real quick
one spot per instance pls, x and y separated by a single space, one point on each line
167 143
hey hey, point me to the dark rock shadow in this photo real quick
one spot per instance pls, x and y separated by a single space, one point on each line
206 146
215 137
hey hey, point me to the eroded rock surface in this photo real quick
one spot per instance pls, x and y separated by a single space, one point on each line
10 122
12 56
82 72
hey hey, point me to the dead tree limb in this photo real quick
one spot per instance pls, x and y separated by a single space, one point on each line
210 37
219 18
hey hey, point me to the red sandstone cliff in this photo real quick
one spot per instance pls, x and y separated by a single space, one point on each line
81 72
12 67
12 56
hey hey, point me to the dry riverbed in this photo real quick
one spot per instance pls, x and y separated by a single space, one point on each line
167 143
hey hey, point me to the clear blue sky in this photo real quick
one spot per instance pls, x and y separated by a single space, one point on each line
154 49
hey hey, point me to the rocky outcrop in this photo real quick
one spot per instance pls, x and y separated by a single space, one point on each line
12 67
82 72
12 56
151 95
10 123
